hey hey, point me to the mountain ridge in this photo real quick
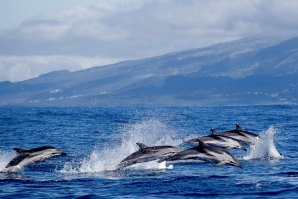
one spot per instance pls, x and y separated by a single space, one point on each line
197 76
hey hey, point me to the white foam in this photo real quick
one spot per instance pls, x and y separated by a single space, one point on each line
151 132
264 148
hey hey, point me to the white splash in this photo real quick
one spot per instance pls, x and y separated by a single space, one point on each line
163 165
264 148
151 132
5 158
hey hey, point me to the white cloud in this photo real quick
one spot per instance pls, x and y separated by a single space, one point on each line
120 29
18 68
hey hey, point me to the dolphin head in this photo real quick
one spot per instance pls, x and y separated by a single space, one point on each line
235 163
63 153
230 160
58 152
240 146
237 145
48 151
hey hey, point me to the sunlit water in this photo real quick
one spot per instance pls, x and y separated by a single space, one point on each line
97 139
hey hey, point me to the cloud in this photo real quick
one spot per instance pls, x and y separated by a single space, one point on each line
131 29
18 68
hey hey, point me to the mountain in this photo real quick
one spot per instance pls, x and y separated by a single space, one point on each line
246 71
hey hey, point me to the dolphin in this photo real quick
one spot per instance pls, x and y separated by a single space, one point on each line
26 157
205 152
147 154
241 135
216 139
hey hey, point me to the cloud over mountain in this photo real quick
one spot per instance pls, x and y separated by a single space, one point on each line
119 30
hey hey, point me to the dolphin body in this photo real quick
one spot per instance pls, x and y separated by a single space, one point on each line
26 157
216 139
241 135
204 152
147 154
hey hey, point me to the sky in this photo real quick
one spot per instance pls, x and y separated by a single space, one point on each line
37 36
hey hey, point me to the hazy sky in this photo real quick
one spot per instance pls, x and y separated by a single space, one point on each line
38 36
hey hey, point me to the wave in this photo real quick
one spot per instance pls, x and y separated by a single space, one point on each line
264 148
150 131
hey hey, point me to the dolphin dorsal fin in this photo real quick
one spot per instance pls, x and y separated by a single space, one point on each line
213 132
238 127
201 143
142 146
19 150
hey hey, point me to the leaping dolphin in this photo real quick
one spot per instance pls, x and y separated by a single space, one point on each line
147 154
205 152
216 139
241 135
26 157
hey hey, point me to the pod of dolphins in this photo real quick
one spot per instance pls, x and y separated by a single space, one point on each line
211 148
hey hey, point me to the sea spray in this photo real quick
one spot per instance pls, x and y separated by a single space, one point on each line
264 148
151 132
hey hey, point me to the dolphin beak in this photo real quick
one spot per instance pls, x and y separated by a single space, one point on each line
237 165
63 153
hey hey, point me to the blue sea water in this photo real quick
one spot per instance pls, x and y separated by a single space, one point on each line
97 139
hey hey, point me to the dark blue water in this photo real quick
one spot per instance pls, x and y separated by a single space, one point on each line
97 139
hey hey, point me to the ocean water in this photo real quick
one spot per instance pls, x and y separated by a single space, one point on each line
97 139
